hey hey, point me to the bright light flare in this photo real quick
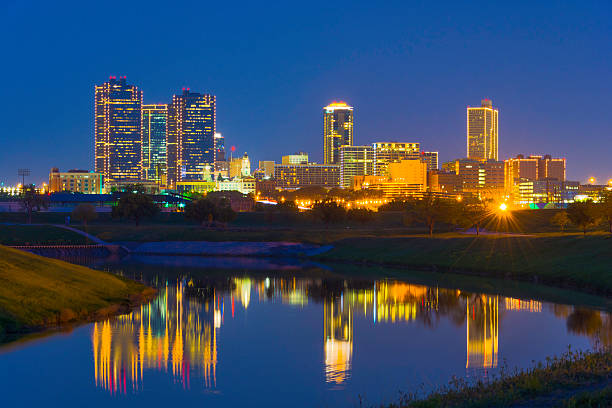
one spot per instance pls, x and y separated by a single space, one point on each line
503 207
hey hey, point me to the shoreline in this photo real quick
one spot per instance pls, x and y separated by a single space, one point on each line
44 294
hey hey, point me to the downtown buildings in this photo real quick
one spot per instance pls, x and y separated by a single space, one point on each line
337 130
482 132
158 143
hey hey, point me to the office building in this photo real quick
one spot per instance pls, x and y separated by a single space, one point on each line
531 168
296 158
404 178
294 176
76 181
117 128
544 191
355 161
191 129
267 168
482 132
431 158
154 126
483 177
219 147
337 130
391 152
447 182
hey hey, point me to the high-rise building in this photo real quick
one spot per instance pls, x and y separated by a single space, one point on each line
392 152
355 161
118 144
431 158
482 132
337 130
219 147
154 126
192 125
296 158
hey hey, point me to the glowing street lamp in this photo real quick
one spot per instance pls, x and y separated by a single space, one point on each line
503 207
592 180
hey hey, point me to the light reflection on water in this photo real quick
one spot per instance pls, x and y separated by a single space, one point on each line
178 332
268 330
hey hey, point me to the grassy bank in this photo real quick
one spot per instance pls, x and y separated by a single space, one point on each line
37 292
39 235
568 261
575 379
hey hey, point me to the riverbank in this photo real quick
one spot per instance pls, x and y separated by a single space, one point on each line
569 261
576 379
37 293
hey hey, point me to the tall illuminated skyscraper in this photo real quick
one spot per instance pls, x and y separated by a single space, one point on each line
337 130
190 142
482 132
117 131
154 126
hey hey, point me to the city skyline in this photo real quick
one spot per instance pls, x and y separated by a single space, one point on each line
406 81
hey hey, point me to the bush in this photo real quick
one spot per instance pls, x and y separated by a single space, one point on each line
135 206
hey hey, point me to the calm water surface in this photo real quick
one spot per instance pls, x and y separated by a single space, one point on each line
255 332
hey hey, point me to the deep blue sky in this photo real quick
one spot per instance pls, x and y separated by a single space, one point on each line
410 68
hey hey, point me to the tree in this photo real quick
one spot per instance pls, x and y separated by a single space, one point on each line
205 211
32 201
430 210
328 212
605 209
84 213
561 220
474 212
582 214
202 211
360 215
135 206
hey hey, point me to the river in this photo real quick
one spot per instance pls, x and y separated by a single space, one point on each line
270 332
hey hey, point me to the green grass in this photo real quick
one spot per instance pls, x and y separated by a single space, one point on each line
37 292
576 379
568 261
39 235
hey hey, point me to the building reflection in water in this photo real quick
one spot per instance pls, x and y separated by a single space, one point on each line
178 332
170 334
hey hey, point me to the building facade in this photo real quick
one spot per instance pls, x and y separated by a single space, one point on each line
390 152
355 161
477 176
154 127
338 125
192 122
117 130
404 179
267 168
294 176
544 191
76 181
482 132
219 147
431 158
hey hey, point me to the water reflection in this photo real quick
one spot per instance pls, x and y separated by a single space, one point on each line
181 331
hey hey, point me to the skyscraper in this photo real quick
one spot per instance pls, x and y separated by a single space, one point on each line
219 147
355 161
190 138
432 160
154 126
337 130
482 132
117 149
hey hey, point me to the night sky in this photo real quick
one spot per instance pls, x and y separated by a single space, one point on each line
409 68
